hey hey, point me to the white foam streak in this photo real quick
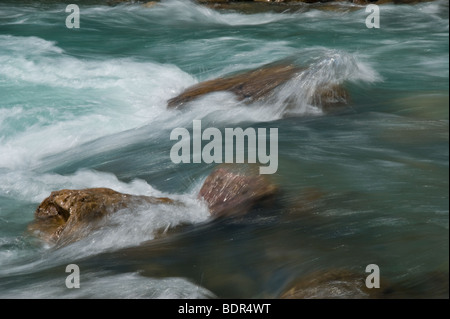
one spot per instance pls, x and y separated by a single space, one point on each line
33 187
127 227
68 72
112 96
111 286
297 96
330 67
186 11
27 46
132 226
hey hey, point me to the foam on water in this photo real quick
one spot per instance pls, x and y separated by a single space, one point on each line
134 225
110 96
330 67
34 187
40 66
187 12
26 46
124 286
121 94
127 227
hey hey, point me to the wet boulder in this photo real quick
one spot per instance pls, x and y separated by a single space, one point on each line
335 284
250 86
235 190
349 284
260 85
69 215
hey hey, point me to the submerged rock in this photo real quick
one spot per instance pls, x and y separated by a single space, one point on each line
343 283
150 4
336 284
68 215
260 85
232 190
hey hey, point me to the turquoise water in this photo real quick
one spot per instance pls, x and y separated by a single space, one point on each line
87 108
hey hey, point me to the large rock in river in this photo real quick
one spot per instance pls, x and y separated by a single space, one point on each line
251 85
260 85
348 284
234 190
335 284
68 215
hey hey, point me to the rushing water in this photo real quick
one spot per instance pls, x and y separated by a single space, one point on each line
87 108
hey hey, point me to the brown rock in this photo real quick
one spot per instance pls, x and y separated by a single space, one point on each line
150 4
334 284
251 86
330 96
69 215
342 283
259 85
306 202
232 190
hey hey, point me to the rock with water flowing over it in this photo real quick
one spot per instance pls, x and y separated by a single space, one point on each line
235 190
335 284
348 284
69 215
252 85
259 85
